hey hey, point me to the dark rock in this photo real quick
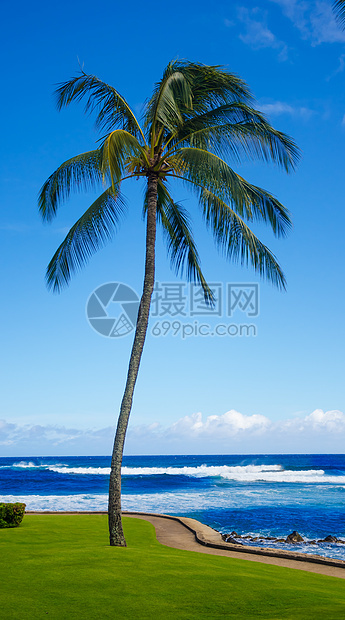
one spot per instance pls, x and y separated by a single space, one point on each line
232 535
294 537
233 541
331 539
280 539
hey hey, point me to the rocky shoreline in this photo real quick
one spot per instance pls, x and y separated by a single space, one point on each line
292 539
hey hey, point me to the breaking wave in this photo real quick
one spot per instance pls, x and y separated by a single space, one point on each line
97 471
25 465
245 473
238 473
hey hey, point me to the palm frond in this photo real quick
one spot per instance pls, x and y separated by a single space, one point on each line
206 170
197 89
339 11
181 246
212 85
238 242
118 149
90 233
238 130
79 173
112 109
171 99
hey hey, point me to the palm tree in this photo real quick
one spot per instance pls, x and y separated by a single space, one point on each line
339 11
197 116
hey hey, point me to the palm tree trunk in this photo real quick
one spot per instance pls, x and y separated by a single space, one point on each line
116 534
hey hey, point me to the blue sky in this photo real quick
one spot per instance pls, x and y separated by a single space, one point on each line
280 391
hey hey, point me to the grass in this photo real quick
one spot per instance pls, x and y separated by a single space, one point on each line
61 567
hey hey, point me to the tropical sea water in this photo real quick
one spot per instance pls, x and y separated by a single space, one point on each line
269 495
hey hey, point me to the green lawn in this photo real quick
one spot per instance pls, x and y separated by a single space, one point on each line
60 566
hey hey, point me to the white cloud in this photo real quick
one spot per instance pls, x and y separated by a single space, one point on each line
20 228
340 68
257 33
33 439
230 423
329 421
230 432
314 20
277 108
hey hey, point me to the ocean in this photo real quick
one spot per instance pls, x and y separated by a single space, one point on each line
257 495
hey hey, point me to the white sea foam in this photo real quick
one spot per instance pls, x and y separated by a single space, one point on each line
104 471
302 476
201 471
176 502
60 502
31 465
245 473
25 465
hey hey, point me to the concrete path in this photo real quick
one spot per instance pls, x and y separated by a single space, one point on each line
191 535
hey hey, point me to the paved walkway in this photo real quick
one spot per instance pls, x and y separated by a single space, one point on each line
191 535
182 533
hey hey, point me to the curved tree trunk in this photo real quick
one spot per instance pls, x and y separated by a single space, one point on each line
116 534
